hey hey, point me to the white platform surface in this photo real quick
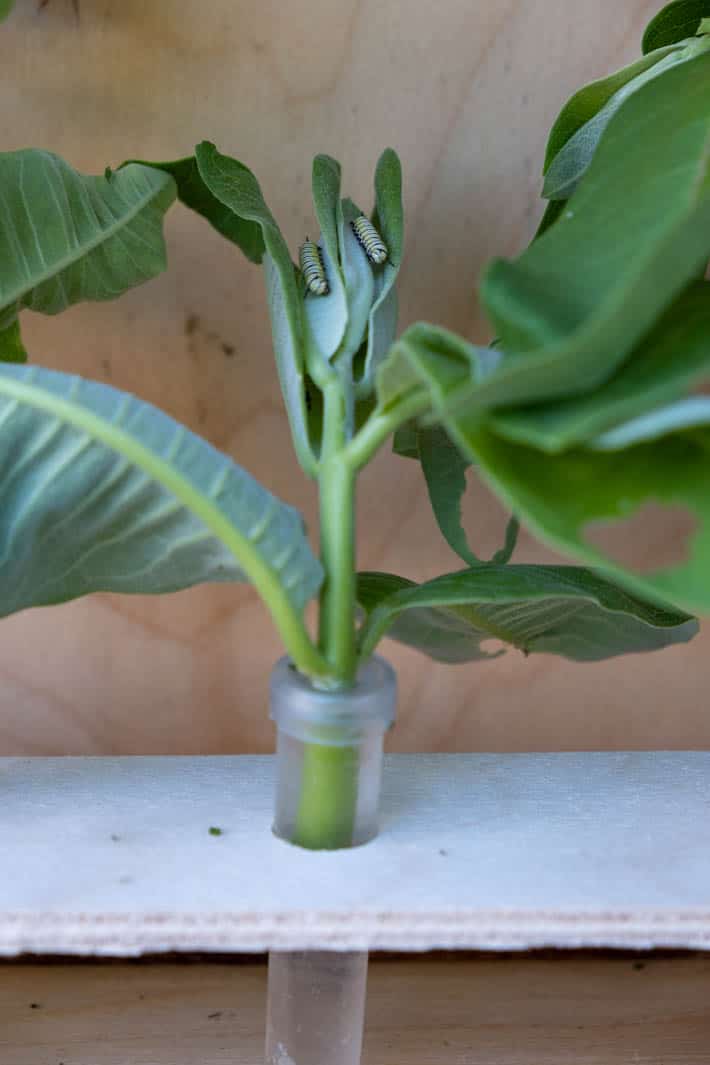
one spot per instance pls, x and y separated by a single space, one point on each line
113 856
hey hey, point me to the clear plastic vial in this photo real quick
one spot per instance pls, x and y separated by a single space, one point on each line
329 771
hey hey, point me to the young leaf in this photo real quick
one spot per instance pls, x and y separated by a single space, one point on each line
677 21
672 359
563 610
327 316
102 492
562 498
388 219
572 307
232 185
65 237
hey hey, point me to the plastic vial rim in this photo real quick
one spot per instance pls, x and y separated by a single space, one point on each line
341 717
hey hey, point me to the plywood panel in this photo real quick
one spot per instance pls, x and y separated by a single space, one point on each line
561 1011
466 92
113 856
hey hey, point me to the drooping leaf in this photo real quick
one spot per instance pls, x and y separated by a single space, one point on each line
65 237
445 472
11 347
195 194
563 610
103 492
677 21
572 307
672 359
236 188
388 219
405 442
566 499
572 161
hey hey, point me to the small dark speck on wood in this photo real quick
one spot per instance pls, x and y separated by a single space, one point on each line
35 1005
213 1016
192 322
228 349
74 6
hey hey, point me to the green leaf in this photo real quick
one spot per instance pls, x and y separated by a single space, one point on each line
195 194
102 492
676 22
672 359
11 347
406 441
563 610
445 472
564 499
570 310
572 160
6 7
65 237
590 100
388 219
327 316
430 360
236 188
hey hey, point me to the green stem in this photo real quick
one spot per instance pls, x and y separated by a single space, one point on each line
329 782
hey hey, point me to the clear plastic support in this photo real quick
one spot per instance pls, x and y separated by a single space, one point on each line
329 770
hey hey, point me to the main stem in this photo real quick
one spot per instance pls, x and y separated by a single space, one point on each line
329 783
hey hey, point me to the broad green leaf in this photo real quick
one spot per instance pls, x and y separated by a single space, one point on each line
388 219
572 307
327 316
6 7
675 22
572 161
593 98
562 610
195 194
102 492
65 237
565 499
670 361
11 347
238 190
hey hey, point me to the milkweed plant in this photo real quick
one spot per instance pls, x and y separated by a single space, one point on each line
585 408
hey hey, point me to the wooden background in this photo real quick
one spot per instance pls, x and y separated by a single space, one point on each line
466 92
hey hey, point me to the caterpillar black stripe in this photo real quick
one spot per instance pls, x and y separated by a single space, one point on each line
371 241
312 268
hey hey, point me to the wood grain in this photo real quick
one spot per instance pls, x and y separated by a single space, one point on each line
426 1011
466 92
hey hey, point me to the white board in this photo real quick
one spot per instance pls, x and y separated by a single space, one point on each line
113 856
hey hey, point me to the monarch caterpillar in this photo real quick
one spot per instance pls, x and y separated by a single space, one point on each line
370 240
313 269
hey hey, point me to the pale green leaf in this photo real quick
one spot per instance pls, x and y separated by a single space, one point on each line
102 492
65 237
